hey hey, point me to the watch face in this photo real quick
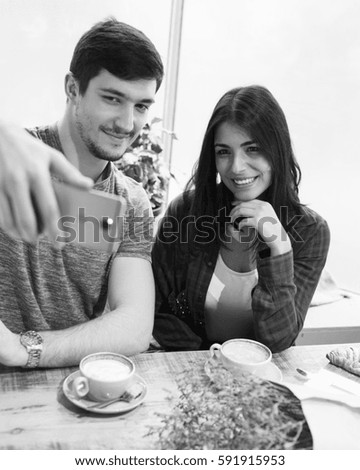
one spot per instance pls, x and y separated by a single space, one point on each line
32 341
30 338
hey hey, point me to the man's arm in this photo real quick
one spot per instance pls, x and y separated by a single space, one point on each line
126 329
27 200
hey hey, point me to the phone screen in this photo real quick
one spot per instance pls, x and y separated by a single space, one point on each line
89 217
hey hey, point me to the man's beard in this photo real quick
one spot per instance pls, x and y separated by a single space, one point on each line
96 150
100 153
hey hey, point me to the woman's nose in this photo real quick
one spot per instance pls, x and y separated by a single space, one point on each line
238 163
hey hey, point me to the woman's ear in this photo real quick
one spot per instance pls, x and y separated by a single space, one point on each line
71 87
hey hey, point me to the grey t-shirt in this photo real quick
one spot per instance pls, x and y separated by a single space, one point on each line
42 287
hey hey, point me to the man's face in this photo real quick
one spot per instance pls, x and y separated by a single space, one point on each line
111 113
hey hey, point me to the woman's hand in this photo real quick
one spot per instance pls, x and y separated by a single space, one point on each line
261 216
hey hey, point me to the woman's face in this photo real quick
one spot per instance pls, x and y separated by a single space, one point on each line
240 162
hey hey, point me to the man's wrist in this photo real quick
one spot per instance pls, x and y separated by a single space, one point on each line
19 355
32 341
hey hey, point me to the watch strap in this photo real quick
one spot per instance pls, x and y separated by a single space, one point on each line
32 342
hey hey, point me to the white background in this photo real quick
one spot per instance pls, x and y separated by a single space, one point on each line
307 52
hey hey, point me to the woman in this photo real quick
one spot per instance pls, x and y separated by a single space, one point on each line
239 257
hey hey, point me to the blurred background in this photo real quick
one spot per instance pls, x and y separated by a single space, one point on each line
307 52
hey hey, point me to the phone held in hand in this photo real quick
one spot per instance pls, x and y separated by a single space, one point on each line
90 218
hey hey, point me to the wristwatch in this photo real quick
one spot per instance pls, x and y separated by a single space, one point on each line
32 342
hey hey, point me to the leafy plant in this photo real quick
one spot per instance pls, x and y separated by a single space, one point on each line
229 413
144 163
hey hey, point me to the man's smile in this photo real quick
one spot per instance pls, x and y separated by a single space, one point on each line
117 135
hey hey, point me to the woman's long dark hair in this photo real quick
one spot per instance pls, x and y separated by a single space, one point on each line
255 111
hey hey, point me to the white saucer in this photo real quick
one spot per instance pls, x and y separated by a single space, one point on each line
118 407
268 372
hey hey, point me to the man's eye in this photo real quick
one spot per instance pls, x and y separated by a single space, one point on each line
142 108
111 99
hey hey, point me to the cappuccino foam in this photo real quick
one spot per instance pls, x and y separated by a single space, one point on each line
106 370
245 352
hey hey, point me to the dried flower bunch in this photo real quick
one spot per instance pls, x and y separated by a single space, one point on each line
228 413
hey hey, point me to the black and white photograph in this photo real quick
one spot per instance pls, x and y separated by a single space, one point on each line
179 261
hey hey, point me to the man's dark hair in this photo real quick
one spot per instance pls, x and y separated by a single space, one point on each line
122 50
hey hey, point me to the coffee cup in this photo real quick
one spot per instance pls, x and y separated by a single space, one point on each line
241 355
104 376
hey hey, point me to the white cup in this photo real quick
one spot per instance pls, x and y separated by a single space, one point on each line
241 355
104 376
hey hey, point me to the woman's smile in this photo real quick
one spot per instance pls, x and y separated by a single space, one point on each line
244 181
241 163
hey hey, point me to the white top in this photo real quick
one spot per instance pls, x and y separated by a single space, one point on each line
228 312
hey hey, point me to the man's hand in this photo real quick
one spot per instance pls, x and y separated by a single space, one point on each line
28 205
12 353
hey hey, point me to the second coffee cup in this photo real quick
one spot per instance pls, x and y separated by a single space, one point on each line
242 355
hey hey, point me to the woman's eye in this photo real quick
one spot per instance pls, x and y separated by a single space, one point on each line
221 152
253 149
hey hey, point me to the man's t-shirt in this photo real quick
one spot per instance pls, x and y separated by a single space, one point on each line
43 287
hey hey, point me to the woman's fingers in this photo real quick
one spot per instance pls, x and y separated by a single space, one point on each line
239 213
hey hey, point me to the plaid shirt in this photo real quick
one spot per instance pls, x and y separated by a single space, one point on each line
280 300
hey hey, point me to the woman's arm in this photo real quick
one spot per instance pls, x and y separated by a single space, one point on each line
170 274
286 285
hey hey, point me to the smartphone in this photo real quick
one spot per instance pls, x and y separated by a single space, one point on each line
90 218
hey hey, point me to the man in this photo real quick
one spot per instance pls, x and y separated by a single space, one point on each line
51 300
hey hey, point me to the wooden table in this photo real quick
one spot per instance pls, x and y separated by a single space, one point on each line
35 414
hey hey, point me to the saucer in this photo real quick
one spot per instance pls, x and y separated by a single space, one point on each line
118 407
269 371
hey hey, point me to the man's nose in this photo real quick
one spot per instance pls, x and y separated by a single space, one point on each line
125 120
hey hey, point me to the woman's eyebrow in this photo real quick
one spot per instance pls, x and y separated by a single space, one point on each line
249 142
244 144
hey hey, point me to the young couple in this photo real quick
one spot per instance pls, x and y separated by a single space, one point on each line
255 278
